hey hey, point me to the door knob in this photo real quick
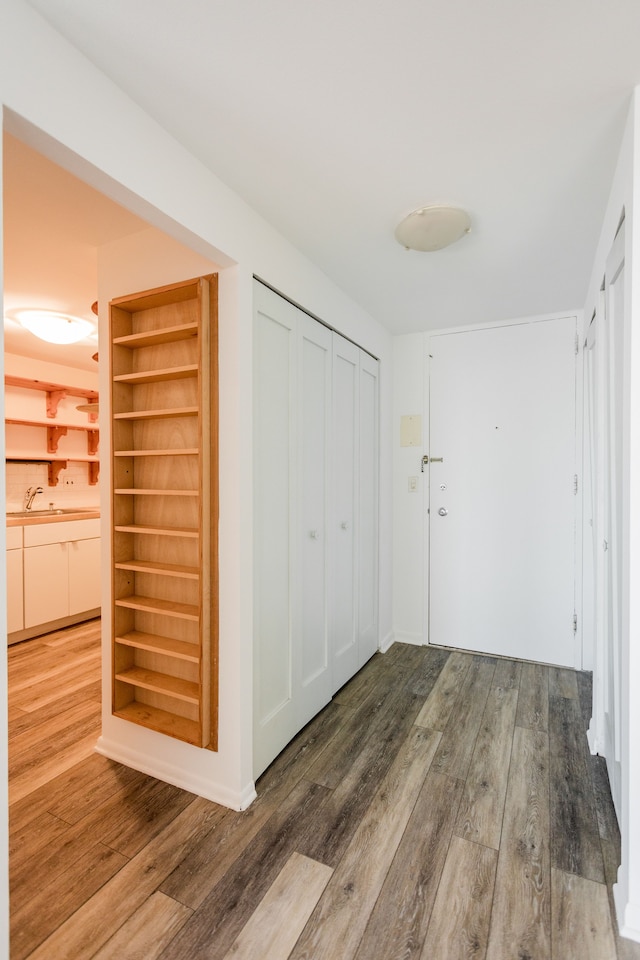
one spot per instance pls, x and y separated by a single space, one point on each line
443 511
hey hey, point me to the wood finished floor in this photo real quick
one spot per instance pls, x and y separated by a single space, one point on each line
443 806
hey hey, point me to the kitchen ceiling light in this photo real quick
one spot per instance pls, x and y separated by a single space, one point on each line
432 228
54 327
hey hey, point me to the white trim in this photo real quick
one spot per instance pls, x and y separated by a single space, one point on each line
414 638
593 739
387 642
628 915
426 513
178 776
515 322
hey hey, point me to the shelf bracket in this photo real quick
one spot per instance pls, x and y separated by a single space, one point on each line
53 399
93 439
94 472
53 437
54 469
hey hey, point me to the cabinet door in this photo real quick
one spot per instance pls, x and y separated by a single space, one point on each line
15 591
344 574
368 509
46 579
84 575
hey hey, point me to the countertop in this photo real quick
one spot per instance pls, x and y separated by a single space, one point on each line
20 520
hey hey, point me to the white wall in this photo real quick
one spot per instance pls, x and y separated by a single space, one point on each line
409 549
624 196
55 100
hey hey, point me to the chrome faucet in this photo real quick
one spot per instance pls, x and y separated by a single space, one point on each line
30 496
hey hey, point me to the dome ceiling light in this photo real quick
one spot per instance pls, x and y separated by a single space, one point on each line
432 227
54 327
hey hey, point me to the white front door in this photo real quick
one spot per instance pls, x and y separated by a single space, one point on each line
502 500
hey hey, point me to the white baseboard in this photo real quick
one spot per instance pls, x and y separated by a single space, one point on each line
185 779
415 639
628 915
592 739
387 642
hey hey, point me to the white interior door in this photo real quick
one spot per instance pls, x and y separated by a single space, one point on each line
275 427
614 377
315 518
591 501
502 501
344 574
314 433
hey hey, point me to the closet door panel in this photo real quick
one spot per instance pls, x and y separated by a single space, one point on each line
368 508
315 518
274 459
344 519
313 457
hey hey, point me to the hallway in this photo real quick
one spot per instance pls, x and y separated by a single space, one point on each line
443 805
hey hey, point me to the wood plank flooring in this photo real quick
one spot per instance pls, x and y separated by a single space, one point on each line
443 806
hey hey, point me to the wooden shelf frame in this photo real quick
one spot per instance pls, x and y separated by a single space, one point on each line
160 569
57 430
166 646
159 376
171 412
165 467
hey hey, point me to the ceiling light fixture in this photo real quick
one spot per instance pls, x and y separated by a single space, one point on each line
433 227
54 327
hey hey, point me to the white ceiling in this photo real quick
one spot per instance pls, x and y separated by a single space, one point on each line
53 227
335 119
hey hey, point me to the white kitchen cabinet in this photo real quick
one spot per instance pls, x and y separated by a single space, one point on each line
84 575
15 612
61 571
46 584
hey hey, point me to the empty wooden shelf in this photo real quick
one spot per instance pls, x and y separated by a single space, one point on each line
165 509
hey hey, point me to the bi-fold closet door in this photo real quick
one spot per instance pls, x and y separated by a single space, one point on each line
315 518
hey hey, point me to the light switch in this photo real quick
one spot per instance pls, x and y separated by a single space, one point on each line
413 484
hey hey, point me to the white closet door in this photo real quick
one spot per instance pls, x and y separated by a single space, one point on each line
344 515
314 431
275 425
315 518
368 470
614 383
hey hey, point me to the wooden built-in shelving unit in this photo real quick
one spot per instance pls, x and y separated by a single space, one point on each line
56 429
165 509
